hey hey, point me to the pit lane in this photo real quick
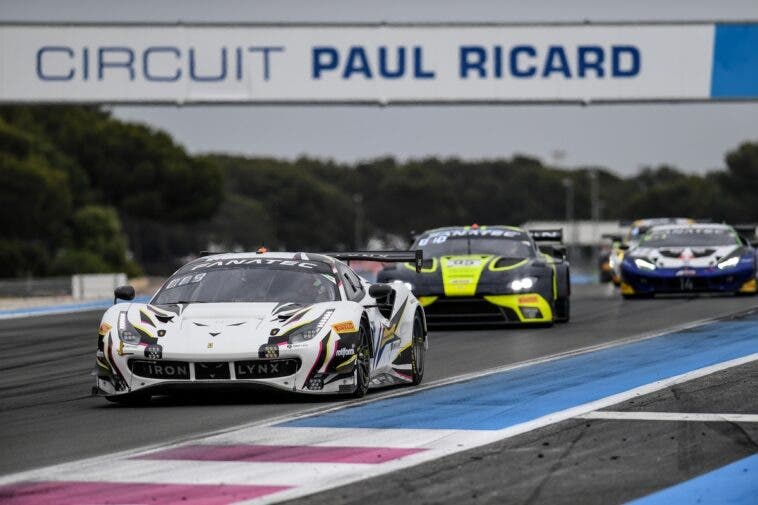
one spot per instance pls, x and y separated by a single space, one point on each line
48 417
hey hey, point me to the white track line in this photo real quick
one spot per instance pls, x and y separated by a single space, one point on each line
670 416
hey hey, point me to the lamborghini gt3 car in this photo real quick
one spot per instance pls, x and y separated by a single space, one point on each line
488 275
610 263
689 258
298 322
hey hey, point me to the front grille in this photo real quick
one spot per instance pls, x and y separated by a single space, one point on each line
212 370
265 369
467 310
160 369
688 284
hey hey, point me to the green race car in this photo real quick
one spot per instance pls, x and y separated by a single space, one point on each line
488 275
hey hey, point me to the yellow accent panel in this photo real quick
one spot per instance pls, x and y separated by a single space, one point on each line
515 302
346 362
425 301
493 268
460 274
626 289
551 262
749 287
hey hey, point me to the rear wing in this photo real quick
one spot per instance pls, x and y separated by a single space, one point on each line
554 235
745 229
416 256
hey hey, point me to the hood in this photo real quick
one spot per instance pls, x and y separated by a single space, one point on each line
461 273
677 257
214 330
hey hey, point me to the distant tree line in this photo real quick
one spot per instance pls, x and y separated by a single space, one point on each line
83 192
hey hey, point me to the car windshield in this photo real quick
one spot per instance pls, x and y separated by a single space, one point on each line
248 284
449 246
689 237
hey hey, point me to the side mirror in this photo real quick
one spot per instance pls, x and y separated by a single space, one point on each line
379 290
123 293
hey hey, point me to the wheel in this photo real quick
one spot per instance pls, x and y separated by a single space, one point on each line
418 352
562 310
131 399
362 362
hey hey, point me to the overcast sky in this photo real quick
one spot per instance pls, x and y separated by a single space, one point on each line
693 137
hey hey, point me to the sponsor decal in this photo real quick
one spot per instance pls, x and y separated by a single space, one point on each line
345 351
265 369
464 262
104 329
210 345
528 299
686 272
163 370
460 281
345 327
256 262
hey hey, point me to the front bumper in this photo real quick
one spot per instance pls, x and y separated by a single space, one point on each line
121 371
522 308
696 280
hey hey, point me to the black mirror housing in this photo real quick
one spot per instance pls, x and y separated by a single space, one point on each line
379 290
123 293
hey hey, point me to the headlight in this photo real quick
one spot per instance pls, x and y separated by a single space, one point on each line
729 263
522 284
310 330
644 264
126 331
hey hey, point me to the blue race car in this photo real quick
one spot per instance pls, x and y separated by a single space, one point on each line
688 258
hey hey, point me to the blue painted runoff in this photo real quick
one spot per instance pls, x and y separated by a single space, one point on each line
69 307
512 397
735 484
734 73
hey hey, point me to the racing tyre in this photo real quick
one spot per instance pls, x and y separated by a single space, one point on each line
562 310
418 352
363 362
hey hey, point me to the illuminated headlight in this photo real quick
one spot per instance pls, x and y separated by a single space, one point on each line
126 331
644 264
522 284
729 263
310 330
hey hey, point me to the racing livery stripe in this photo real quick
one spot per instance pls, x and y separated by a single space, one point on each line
77 493
283 454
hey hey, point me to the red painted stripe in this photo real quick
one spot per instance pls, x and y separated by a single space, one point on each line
113 493
283 453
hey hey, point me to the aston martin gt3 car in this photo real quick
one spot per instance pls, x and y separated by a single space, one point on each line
689 258
298 322
488 275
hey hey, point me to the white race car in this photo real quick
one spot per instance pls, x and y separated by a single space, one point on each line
299 322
